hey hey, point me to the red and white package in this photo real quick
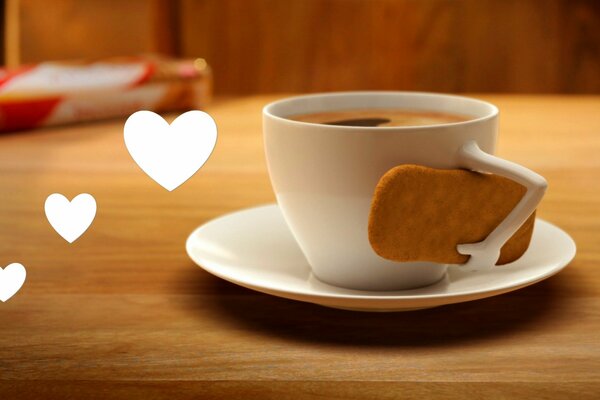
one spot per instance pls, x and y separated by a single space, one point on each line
57 93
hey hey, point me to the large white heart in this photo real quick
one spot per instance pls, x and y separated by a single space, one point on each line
12 278
70 219
170 154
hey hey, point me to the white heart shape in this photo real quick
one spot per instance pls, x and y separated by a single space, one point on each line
170 154
12 278
70 218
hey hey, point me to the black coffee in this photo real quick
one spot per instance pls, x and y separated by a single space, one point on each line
380 117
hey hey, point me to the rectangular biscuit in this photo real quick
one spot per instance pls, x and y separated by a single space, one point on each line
422 214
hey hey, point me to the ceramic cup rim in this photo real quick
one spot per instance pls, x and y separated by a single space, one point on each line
270 110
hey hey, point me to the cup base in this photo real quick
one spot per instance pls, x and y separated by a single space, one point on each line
388 279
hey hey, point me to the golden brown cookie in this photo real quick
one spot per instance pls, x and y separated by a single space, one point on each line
422 214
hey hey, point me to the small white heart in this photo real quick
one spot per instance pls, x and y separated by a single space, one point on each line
12 278
70 219
170 154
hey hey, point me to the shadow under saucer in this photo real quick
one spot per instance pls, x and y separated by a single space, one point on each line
448 325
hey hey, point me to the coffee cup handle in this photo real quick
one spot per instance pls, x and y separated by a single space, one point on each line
485 254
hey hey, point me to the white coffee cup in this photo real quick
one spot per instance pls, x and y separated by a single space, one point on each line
324 177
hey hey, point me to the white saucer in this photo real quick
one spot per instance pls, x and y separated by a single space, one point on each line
254 248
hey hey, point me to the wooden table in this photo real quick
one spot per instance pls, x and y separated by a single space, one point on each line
123 312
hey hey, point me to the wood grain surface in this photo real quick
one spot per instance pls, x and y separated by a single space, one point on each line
525 46
80 29
123 312
265 46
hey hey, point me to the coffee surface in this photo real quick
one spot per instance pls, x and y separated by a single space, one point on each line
380 117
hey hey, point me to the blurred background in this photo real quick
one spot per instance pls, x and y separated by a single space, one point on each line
267 46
